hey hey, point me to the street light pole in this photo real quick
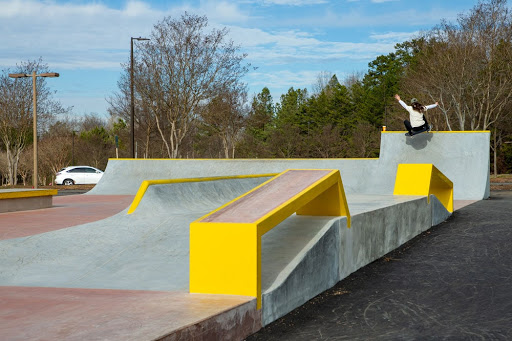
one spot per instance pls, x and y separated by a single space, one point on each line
132 106
34 113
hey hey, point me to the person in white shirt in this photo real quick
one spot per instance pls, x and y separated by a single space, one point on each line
418 122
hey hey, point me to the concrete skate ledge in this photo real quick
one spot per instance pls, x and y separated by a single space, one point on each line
424 179
19 199
146 183
225 245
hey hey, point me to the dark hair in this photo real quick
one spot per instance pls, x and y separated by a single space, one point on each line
418 107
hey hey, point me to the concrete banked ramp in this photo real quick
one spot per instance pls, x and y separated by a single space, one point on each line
301 257
462 156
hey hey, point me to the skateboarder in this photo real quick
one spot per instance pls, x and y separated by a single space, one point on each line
418 123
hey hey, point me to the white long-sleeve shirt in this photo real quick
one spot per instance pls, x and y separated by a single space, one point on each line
415 117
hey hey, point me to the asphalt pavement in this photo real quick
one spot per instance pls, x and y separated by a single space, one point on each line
453 282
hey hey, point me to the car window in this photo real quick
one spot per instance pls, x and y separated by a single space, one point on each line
79 170
90 170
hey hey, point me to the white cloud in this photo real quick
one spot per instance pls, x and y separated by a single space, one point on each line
284 79
87 35
286 2
395 36
302 47
294 2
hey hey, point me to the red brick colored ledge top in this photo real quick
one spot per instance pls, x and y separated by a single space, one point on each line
258 203
35 313
67 211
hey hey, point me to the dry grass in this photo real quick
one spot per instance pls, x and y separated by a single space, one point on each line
503 182
59 187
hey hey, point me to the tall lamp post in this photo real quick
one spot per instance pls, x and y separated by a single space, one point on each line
132 107
34 112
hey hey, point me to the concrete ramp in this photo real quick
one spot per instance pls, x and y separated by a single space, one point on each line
462 156
147 250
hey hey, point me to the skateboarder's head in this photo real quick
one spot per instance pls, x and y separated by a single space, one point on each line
417 105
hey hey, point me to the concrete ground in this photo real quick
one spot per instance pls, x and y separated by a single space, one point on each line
452 282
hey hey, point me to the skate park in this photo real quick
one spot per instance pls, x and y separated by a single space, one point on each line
140 273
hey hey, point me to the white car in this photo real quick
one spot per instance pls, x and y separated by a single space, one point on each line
78 175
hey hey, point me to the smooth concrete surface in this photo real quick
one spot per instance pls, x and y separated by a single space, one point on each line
147 250
291 275
28 313
462 156
439 212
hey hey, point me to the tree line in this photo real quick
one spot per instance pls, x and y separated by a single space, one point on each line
191 101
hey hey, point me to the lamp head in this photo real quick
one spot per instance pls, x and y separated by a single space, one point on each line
18 75
49 74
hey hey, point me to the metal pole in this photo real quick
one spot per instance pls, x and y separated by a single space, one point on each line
132 108
34 114
73 150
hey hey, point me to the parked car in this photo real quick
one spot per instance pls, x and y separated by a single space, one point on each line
78 175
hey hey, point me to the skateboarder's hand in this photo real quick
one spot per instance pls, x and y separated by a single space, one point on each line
397 97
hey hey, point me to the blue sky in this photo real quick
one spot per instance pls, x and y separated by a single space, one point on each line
289 41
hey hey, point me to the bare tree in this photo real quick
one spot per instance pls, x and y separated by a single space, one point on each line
224 117
467 67
16 111
180 69
145 124
365 140
322 81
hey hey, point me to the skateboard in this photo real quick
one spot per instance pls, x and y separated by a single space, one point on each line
420 131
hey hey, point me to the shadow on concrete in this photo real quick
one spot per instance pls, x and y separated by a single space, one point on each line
419 141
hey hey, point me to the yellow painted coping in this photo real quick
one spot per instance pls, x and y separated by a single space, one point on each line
242 159
146 183
225 257
17 194
440 132
424 179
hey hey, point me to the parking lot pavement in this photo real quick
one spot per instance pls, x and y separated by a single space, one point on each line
72 192
451 282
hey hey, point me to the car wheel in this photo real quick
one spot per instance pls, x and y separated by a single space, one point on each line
68 182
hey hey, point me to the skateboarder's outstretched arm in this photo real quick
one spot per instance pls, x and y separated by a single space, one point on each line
431 106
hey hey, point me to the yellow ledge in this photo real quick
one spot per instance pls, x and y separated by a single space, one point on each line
424 179
146 183
22 193
225 245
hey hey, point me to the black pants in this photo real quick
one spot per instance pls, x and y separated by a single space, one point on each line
410 129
